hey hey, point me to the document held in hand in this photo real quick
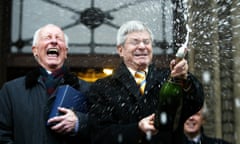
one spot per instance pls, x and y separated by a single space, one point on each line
68 97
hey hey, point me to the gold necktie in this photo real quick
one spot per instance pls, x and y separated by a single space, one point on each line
140 77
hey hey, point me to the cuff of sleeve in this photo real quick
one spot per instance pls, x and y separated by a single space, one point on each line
76 126
75 130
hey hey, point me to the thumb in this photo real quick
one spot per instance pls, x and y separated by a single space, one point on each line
62 109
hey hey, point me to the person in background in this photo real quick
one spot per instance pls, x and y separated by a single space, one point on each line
193 129
25 102
120 110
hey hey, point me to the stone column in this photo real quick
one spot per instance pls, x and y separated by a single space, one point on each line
225 33
5 10
236 67
204 57
1 50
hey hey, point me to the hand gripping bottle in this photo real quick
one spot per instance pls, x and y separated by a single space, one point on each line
170 100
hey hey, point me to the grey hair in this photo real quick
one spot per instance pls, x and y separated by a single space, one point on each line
129 27
36 36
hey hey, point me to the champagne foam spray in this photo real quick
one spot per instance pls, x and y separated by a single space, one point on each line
182 51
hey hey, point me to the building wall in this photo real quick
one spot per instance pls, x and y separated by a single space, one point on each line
212 54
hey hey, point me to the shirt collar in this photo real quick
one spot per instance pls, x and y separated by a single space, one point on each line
134 71
196 139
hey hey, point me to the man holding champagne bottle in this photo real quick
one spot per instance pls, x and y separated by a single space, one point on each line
120 113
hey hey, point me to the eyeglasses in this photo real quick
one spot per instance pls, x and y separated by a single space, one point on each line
136 42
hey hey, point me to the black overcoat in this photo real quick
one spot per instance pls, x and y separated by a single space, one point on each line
24 109
117 106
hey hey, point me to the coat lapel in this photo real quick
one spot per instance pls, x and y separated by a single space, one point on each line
123 75
153 77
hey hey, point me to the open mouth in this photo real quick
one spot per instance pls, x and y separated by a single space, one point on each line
140 54
53 52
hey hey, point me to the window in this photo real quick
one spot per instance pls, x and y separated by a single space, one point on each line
91 24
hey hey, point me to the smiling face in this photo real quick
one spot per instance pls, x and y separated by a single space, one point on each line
192 126
50 49
136 50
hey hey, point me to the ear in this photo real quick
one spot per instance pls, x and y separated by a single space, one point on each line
119 50
34 51
66 53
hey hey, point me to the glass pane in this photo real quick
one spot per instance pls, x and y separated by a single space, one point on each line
97 32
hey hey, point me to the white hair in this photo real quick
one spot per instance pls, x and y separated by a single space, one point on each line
36 36
131 26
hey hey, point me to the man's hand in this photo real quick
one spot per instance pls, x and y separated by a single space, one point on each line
65 123
179 69
146 125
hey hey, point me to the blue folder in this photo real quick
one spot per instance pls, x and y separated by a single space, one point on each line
68 97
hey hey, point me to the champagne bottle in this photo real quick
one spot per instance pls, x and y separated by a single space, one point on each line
170 100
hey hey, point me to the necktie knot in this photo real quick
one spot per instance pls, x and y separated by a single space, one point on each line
140 77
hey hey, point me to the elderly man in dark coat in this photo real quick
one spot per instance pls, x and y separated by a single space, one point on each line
25 102
119 112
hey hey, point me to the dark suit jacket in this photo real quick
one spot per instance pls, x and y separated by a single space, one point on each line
117 106
207 140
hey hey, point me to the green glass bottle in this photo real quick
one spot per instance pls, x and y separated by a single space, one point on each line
170 101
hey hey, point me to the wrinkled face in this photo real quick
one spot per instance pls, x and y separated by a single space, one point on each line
192 125
137 50
50 49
